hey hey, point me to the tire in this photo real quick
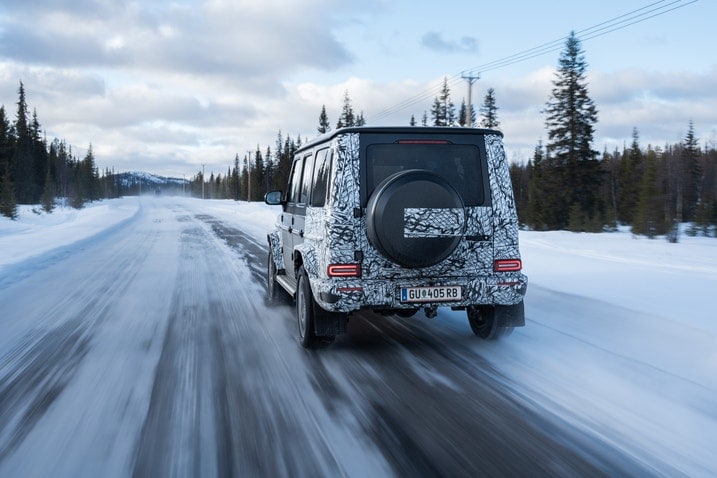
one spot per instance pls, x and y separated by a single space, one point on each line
308 313
272 288
429 233
484 323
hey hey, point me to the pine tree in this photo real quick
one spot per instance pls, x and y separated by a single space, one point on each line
649 219
22 169
536 216
489 111
48 194
629 180
235 179
7 188
571 116
8 204
463 114
412 122
443 111
324 126
257 175
39 158
347 117
692 173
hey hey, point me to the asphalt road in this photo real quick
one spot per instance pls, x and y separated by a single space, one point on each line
149 351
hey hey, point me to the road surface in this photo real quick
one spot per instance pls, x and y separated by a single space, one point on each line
149 351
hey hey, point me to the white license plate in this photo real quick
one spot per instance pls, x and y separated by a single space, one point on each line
448 293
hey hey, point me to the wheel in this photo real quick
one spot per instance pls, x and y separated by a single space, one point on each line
272 288
415 218
484 323
309 314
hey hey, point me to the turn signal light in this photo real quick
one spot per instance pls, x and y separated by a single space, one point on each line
344 270
507 265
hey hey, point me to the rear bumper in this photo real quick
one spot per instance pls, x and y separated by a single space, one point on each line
346 295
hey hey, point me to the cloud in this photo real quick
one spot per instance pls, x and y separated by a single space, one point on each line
435 41
240 39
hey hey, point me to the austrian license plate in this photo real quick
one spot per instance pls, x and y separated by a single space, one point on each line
447 293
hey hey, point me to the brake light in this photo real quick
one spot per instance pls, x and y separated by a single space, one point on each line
344 270
507 265
422 141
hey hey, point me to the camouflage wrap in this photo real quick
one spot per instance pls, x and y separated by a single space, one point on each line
336 234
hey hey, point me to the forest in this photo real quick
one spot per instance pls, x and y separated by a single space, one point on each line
33 171
565 185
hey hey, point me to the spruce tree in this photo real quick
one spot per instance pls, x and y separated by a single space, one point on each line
536 216
692 173
8 204
22 169
48 194
489 111
571 162
347 117
629 180
463 114
443 111
649 218
324 126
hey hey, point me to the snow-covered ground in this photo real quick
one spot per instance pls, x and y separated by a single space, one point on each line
621 333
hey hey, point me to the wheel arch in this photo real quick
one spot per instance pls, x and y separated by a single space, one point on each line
305 255
276 251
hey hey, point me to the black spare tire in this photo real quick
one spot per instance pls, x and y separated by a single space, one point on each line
415 218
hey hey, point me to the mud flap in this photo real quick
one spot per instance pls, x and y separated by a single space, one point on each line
510 315
329 324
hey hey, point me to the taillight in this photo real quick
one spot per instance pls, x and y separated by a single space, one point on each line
507 265
344 270
422 141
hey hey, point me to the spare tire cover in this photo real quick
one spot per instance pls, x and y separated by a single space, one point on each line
415 218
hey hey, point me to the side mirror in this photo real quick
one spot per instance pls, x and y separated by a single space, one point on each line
273 198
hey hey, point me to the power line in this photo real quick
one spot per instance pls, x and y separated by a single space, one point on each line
619 22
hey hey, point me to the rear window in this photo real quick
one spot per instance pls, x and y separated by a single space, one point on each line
459 164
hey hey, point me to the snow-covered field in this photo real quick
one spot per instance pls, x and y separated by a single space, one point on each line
621 333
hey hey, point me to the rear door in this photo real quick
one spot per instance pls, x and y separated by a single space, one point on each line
289 217
460 160
300 196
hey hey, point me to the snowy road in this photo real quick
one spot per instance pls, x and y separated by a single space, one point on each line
149 351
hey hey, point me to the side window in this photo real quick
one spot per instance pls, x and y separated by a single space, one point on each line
305 191
294 187
322 169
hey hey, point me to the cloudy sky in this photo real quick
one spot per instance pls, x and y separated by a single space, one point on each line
166 86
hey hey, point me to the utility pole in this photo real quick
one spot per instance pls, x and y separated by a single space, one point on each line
471 79
202 181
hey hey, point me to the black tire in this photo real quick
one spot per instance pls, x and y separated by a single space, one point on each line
272 288
307 313
484 323
386 224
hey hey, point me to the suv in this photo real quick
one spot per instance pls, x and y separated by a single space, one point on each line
397 219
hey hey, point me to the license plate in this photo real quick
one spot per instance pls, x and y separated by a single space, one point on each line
448 293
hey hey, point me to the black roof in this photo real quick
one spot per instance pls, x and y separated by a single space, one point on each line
412 130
